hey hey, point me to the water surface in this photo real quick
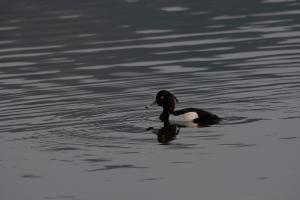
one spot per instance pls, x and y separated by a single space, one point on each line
75 76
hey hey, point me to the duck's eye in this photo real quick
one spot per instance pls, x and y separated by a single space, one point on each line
162 97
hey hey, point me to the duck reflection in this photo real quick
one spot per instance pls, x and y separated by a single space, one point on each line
169 131
165 134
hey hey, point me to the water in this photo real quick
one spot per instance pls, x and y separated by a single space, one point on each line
75 76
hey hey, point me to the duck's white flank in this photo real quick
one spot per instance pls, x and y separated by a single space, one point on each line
186 117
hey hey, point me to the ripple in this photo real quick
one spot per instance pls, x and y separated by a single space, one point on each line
63 149
291 41
132 1
176 69
114 167
9 28
160 45
7 41
154 31
85 35
256 54
31 176
24 55
174 9
226 17
285 13
69 16
269 22
16 64
240 120
278 1
96 160
60 60
289 138
282 34
239 145
29 48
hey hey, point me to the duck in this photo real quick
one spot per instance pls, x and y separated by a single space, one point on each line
168 101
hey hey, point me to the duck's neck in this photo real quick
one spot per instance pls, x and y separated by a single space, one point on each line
165 115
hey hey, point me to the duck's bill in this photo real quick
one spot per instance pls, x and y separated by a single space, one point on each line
152 104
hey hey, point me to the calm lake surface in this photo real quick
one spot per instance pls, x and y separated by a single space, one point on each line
75 77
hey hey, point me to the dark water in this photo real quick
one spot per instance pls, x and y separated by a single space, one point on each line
75 75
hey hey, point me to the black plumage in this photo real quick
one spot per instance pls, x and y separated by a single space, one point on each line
168 101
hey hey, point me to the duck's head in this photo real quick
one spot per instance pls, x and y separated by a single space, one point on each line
166 100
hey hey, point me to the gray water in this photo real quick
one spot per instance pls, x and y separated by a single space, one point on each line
75 76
